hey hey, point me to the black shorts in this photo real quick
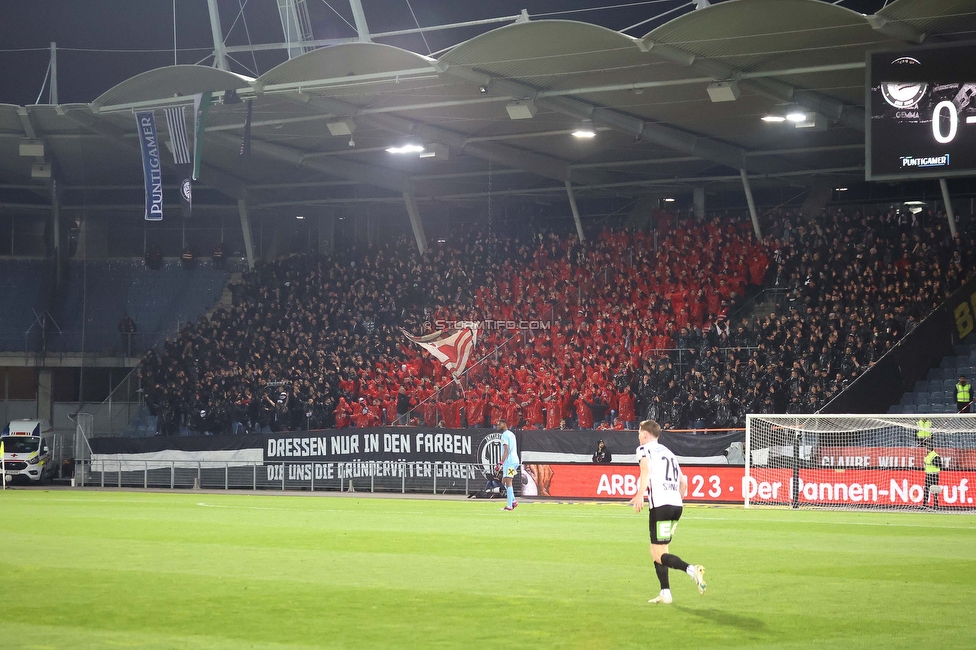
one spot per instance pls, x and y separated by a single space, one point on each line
931 478
662 521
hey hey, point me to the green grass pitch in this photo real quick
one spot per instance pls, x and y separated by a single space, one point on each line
97 569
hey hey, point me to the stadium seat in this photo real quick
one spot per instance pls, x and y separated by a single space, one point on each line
897 409
950 373
923 398
909 409
948 362
938 408
934 373
948 384
966 370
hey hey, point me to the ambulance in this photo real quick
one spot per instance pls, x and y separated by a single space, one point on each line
26 451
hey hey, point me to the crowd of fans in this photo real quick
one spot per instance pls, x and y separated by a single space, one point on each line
624 328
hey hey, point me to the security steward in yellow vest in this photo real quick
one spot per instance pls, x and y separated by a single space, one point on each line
933 465
924 431
964 392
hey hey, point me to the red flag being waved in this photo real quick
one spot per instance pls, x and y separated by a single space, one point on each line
451 347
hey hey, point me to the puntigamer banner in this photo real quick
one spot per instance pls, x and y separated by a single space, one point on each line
151 167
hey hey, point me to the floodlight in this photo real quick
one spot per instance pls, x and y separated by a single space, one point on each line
407 148
585 130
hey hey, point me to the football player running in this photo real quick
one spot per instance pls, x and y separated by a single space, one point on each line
663 485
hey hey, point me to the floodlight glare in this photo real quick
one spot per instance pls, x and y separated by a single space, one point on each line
407 148
773 118
585 130
669 200
796 116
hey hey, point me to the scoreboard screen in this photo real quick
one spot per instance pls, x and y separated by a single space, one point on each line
921 113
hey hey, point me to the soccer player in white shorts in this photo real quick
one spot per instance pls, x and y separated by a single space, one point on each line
663 484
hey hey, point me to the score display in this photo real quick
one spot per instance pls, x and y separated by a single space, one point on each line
921 113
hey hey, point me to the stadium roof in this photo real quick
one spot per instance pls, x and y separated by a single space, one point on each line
648 98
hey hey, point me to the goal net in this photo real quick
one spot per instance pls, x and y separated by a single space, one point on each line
861 461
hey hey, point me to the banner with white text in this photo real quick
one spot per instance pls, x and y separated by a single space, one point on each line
710 484
152 169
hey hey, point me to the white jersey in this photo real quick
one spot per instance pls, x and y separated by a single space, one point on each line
664 484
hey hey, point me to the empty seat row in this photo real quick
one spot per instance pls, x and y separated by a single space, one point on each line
922 408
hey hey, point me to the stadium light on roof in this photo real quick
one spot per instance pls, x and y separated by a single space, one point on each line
669 200
407 148
585 130
796 116
773 118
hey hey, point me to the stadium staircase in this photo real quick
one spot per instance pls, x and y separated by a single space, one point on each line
937 392
24 292
142 425
158 301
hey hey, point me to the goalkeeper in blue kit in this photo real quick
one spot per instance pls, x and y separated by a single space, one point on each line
663 485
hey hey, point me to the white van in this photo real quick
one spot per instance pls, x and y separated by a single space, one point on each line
26 451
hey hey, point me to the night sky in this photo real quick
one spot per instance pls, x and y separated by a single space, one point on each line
145 28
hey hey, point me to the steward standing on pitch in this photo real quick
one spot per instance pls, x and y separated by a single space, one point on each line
924 431
933 465
662 482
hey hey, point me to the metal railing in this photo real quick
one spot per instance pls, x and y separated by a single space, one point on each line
430 477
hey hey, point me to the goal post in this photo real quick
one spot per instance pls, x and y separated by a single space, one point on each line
861 461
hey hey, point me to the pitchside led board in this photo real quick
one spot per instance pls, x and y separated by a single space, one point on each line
921 113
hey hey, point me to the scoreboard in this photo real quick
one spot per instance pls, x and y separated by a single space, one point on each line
921 113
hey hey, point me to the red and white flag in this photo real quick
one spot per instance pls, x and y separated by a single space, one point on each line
451 347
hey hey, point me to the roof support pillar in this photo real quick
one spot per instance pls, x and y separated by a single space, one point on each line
53 97
246 229
950 214
698 201
57 249
360 19
415 223
752 204
576 215
220 54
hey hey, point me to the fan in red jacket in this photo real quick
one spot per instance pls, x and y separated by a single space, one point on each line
342 412
533 411
627 414
475 410
511 413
